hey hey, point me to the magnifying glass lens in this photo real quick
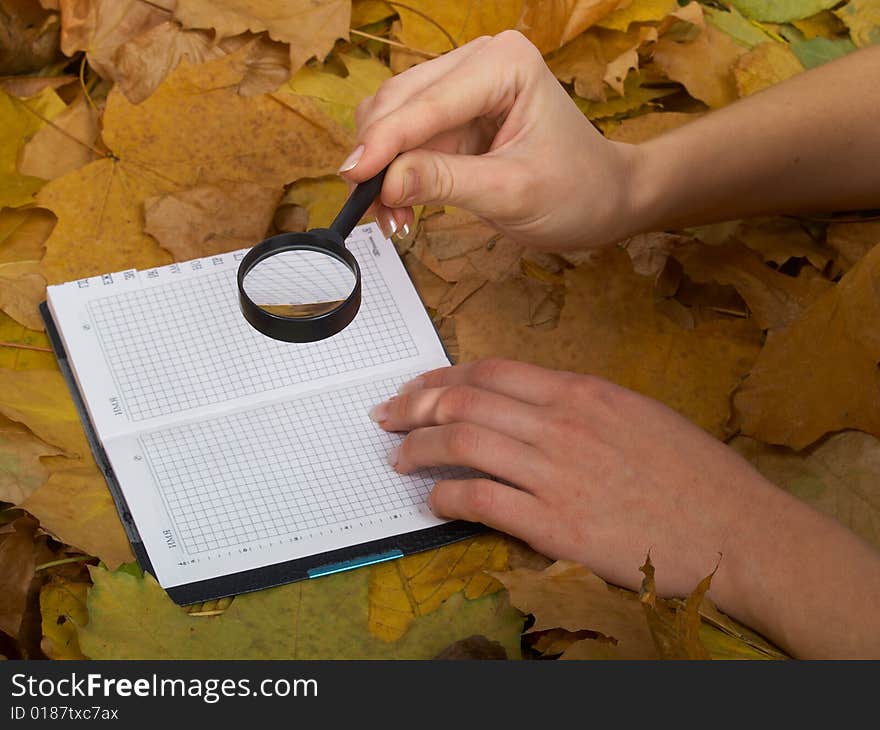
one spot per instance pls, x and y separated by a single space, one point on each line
299 283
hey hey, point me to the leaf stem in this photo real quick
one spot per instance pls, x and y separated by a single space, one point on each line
63 561
396 44
19 346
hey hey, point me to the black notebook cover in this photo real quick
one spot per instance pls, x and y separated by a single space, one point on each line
270 575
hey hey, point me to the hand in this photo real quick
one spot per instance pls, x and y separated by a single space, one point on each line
488 128
601 475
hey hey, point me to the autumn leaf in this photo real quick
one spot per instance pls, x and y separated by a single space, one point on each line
64 145
569 596
229 139
23 233
703 66
19 119
321 198
28 36
820 374
41 401
416 585
631 343
640 11
840 476
17 560
310 26
862 17
765 65
21 471
132 617
76 507
22 348
647 126
63 608
210 219
676 632
781 11
776 300
851 241
779 240
438 25
550 25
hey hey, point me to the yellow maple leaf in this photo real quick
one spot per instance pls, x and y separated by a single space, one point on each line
195 129
417 585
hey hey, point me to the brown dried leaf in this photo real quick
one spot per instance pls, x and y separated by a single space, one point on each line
612 308
210 219
17 562
647 126
144 61
703 66
776 300
100 27
473 647
852 241
780 239
820 374
840 476
311 27
676 632
569 596
28 37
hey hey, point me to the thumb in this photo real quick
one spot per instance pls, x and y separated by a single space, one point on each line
477 183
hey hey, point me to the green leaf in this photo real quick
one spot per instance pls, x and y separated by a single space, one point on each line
131 618
817 51
742 30
781 11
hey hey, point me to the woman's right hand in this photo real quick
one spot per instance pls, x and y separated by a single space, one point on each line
488 128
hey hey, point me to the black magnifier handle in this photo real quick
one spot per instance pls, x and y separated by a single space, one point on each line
361 198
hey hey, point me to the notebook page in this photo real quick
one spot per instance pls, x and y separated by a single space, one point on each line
261 485
151 347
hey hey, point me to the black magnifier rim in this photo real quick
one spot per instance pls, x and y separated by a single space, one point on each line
300 329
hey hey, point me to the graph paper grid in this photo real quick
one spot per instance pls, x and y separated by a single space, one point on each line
285 471
181 345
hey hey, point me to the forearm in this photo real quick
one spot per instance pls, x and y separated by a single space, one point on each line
807 144
803 580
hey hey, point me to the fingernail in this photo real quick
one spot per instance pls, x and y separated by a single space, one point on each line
402 233
414 384
387 223
352 159
379 412
394 455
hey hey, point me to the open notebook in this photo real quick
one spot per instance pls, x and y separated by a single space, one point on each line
236 461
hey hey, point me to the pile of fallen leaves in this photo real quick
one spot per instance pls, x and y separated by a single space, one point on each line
136 133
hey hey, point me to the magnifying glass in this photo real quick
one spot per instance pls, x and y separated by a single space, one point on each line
305 287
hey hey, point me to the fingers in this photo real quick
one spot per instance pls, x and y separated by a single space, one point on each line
395 92
487 85
460 404
479 183
525 382
483 500
477 447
